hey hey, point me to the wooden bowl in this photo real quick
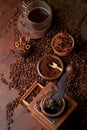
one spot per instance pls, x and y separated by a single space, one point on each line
46 71
62 44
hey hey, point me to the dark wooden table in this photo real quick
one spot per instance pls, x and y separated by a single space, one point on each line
22 118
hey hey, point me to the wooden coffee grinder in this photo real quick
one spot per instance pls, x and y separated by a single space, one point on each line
49 104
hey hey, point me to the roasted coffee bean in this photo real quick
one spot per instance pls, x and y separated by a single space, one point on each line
4 80
9 128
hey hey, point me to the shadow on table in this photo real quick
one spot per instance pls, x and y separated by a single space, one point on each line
74 122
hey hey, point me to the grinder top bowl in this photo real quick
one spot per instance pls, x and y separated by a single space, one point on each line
54 109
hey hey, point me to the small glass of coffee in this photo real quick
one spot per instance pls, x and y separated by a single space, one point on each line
38 17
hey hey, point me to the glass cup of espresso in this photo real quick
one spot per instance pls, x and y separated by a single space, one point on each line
38 17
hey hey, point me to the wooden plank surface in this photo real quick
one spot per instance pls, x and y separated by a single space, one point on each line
22 118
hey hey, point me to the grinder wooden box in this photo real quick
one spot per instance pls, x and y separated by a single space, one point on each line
48 122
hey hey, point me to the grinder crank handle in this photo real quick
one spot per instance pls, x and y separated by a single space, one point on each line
62 84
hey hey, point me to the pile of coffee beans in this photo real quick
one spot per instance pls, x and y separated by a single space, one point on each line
77 83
